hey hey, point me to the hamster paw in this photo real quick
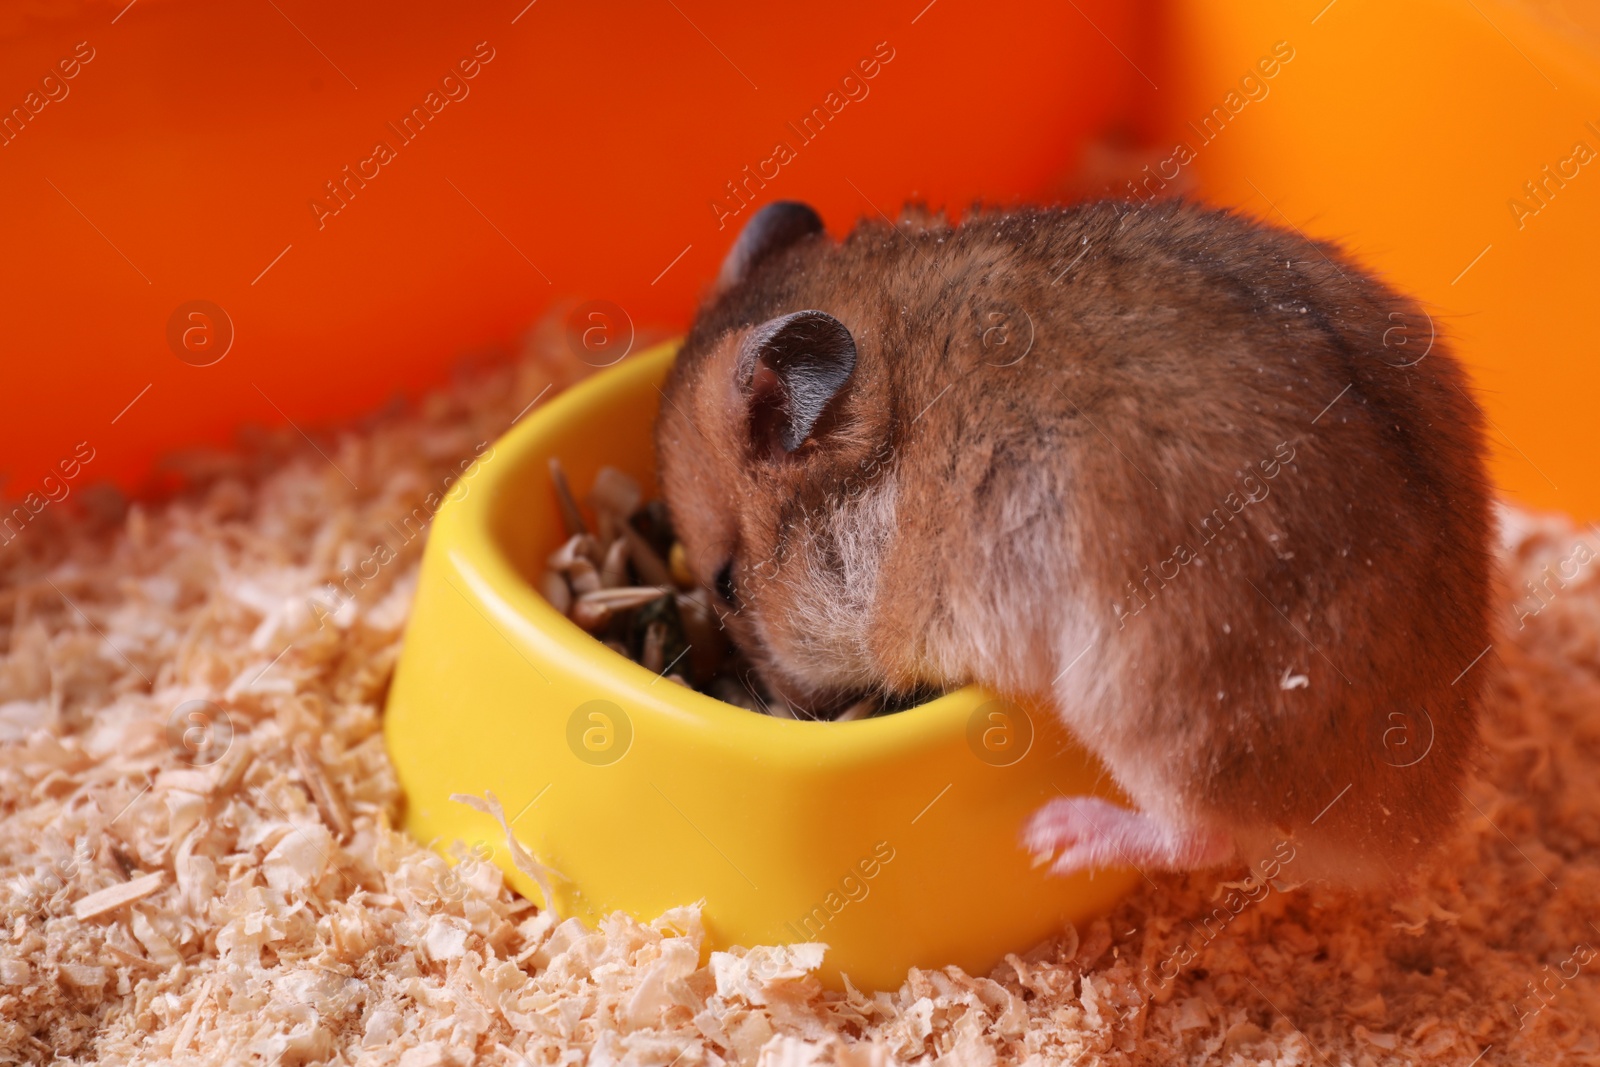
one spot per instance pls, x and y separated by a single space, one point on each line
1092 833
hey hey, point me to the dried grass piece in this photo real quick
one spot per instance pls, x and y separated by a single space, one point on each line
113 897
570 515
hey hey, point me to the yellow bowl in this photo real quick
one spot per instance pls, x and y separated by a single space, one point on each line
893 840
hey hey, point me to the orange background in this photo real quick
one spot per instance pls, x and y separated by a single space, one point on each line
585 160
1403 130
582 163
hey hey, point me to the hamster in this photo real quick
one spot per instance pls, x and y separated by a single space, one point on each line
1206 488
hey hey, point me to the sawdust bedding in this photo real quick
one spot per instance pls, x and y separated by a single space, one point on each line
162 904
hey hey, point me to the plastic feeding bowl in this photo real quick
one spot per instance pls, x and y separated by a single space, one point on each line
894 840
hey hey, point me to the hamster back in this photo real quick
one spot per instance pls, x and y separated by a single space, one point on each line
1215 491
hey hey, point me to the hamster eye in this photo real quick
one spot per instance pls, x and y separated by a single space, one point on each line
724 584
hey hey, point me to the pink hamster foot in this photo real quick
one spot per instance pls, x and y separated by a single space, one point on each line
1092 833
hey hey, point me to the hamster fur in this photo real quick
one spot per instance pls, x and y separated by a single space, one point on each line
1209 489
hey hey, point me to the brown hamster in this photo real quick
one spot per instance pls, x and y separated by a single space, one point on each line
1210 489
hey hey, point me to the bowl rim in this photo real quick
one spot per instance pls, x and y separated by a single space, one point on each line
479 556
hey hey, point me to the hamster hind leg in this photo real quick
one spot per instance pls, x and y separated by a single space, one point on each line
1091 832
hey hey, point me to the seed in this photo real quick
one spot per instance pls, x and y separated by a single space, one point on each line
578 546
646 563
583 577
708 645
655 524
614 571
678 560
555 589
626 597
615 493
666 622
662 615
861 709
595 609
609 528
653 657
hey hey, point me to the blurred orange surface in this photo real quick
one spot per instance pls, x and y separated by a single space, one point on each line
271 212
1440 142
168 275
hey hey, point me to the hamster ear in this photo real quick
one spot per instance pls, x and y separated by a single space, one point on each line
775 227
794 365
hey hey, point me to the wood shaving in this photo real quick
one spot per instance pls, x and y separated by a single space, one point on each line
113 897
329 806
489 804
156 910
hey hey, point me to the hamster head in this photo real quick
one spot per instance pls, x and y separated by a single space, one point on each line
767 450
